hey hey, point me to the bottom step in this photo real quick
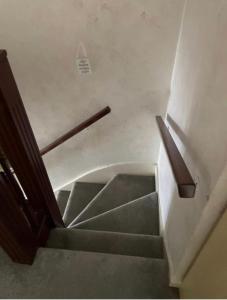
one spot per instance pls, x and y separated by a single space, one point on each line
107 242
59 273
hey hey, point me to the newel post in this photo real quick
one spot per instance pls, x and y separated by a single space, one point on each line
19 145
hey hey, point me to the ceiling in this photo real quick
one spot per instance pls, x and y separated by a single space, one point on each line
131 46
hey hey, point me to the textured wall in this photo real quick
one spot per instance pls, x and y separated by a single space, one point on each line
131 46
197 118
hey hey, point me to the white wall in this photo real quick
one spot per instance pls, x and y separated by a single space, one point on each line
131 46
197 113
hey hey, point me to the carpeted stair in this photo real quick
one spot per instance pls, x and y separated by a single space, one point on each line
111 241
83 193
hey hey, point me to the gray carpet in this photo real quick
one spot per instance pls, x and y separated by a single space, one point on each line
62 199
82 193
111 249
122 189
107 242
59 273
139 216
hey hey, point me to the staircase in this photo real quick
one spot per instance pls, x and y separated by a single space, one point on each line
113 240
110 249
111 246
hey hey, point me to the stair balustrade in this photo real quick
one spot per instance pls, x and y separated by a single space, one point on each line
25 222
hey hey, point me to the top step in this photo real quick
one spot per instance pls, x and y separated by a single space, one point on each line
120 190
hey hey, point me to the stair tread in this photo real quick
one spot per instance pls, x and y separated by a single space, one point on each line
120 190
139 216
82 193
62 199
58 273
106 242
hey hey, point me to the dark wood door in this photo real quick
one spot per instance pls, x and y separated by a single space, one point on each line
19 146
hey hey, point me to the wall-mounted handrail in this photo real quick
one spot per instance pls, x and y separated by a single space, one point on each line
76 130
186 185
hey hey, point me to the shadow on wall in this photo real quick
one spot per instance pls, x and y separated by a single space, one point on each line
180 215
197 114
193 156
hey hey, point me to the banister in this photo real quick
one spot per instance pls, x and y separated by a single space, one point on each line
76 130
22 151
185 184
25 222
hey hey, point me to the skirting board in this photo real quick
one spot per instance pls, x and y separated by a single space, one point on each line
173 280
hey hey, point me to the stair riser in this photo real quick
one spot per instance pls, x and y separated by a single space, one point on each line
107 242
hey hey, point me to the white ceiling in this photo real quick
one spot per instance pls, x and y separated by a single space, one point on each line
131 45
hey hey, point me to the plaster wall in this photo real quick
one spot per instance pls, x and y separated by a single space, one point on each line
131 46
196 115
104 173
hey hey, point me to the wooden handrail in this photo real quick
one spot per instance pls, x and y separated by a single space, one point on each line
186 185
76 130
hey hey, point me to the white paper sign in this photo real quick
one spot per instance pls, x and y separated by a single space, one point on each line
83 65
82 61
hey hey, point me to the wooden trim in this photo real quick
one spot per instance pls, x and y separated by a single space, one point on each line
76 130
3 55
185 184
20 147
